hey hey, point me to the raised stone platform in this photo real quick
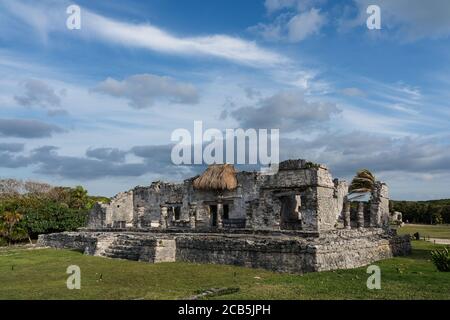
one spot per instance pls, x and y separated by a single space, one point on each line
282 252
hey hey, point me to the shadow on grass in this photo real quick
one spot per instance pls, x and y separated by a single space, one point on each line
422 249
421 254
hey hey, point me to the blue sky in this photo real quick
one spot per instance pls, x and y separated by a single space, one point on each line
97 106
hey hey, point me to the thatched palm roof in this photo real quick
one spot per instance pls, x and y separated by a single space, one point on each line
217 177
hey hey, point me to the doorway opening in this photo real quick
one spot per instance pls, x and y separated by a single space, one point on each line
213 214
177 213
226 211
290 215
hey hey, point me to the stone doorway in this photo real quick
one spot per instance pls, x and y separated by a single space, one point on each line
177 213
290 212
213 214
226 211
174 213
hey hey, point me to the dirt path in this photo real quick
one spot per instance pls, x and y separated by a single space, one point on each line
439 241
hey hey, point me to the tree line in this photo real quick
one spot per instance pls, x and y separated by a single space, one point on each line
426 212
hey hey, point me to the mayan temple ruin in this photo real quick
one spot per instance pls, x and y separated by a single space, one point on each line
297 220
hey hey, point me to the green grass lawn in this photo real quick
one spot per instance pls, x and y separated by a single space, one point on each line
433 231
40 274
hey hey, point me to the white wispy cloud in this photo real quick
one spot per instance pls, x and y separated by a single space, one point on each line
305 24
292 27
143 35
154 38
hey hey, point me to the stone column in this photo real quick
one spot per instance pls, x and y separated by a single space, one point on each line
140 212
360 215
248 215
347 223
379 210
163 218
171 216
219 215
192 215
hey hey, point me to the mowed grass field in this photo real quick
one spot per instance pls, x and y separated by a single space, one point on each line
441 231
41 274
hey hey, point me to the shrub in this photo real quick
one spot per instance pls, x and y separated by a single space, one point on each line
3 242
48 217
441 259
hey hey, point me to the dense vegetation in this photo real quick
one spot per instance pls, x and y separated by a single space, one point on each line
31 208
427 212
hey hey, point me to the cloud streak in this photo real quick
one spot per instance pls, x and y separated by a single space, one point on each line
153 38
110 154
25 128
11 147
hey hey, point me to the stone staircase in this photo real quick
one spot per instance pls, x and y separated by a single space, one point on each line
137 248
128 247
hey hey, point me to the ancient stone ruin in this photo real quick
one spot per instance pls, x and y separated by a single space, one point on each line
297 220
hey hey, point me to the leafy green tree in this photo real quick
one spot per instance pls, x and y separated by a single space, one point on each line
445 214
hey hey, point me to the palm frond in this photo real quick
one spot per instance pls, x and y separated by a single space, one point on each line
363 182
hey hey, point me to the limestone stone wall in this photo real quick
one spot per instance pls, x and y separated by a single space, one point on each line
338 249
321 198
84 242
379 208
330 198
267 213
97 216
341 191
120 208
326 209
358 248
148 200
248 189
275 255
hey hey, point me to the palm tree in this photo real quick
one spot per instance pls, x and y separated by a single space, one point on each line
363 182
8 225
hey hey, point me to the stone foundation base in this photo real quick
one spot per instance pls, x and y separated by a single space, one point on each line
339 249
